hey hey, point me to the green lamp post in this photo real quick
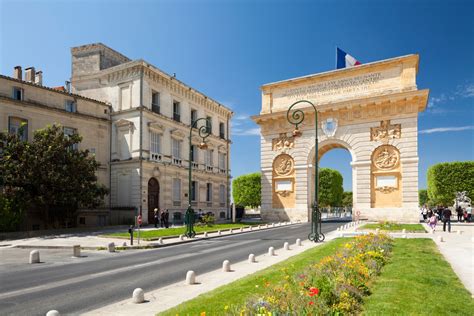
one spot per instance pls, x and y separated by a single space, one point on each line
296 117
204 132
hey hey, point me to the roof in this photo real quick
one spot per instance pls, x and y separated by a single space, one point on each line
56 90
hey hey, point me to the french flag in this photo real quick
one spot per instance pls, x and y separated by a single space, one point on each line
344 60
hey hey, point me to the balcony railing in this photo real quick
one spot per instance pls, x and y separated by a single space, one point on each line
176 117
223 171
156 156
177 161
195 165
209 168
155 108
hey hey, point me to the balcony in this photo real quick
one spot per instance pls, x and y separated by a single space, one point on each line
209 168
221 135
156 157
194 165
176 117
177 161
155 108
222 171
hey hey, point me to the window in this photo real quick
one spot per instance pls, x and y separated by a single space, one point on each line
194 156
176 111
221 161
222 194
176 144
209 154
19 127
71 106
92 152
194 187
176 190
194 115
209 124
17 93
68 131
209 192
221 130
155 102
155 142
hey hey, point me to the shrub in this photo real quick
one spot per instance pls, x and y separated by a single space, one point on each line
330 187
246 189
445 179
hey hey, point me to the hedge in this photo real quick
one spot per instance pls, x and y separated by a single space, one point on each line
445 179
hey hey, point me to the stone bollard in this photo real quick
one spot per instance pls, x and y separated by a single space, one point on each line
291 222
440 238
219 233
53 313
298 242
286 246
271 251
259 227
273 224
266 226
206 234
35 256
231 231
459 232
160 241
250 228
190 278
251 258
138 296
404 231
181 237
76 251
124 244
241 229
111 247
338 229
226 266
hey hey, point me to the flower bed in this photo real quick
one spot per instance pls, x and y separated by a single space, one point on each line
335 285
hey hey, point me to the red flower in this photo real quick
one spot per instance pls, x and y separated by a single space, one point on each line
311 303
313 291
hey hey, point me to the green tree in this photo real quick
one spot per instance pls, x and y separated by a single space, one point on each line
423 197
445 179
347 198
330 187
51 175
246 190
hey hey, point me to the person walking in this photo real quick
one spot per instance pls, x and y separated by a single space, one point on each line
433 221
446 219
167 219
424 212
162 218
469 212
459 213
155 217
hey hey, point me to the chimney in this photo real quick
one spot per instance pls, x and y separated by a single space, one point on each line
39 78
17 72
30 74
68 86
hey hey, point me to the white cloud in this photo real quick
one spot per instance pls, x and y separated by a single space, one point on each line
246 132
466 91
241 117
446 129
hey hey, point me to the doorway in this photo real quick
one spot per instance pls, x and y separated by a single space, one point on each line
153 198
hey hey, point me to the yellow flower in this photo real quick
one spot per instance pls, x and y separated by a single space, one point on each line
226 307
203 314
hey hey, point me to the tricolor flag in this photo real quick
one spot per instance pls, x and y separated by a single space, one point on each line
344 60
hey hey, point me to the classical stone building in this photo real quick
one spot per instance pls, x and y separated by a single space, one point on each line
151 118
372 111
29 102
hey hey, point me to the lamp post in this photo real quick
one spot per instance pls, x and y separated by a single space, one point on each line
204 132
296 117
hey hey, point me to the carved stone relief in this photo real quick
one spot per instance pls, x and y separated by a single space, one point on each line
386 157
385 132
283 142
386 190
283 165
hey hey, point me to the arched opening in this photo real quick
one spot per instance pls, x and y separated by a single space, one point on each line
338 156
153 198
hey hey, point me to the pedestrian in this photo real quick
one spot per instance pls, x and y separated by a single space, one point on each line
155 217
446 219
469 212
459 213
167 219
429 214
162 218
424 211
433 221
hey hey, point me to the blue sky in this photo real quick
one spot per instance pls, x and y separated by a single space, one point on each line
228 49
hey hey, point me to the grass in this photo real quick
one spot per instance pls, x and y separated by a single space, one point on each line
418 281
392 227
168 232
237 292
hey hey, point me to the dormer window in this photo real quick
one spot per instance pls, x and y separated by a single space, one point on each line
17 93
71 106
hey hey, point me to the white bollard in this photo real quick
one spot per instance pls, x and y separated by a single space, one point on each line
404 236
160 241
338 229
219 232
231 231
205 235
404 231
259 227
266 226
35 256
271 251
76 251
138 296
286 246
250 228
291 222
298 242
251 258
440 238
190 278
273 224
226 266
111 247
53 313
241 229
181 237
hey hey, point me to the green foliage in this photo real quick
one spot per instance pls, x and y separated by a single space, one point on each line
423 197
347 198
330 187
48 174
246 190
445 179
207 220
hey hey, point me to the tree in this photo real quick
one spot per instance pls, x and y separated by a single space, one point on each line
50 174
347 198
423 197
246 190
330 187
445 179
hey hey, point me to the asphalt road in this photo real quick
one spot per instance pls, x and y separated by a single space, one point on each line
82 286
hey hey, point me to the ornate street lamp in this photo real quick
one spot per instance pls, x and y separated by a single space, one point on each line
204 132
296 117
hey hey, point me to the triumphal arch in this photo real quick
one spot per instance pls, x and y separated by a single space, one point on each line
372 111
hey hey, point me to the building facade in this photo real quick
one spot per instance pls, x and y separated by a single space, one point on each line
370 110
151 121
25 101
